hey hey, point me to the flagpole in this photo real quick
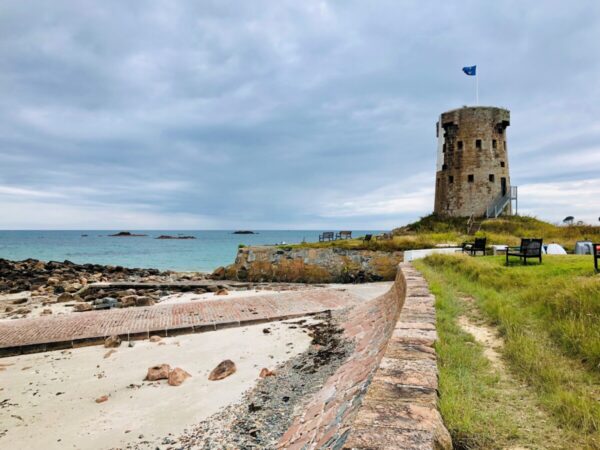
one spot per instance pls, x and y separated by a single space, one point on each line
476 89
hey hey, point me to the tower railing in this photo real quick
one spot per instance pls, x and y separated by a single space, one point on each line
501 201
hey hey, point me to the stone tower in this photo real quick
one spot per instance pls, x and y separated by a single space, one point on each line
472 164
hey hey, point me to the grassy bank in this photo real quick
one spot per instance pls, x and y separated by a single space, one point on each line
549 317
434 230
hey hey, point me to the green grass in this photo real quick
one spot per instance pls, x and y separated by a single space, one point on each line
433 230
472 407
549 316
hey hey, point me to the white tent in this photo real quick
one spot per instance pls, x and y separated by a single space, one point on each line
555 249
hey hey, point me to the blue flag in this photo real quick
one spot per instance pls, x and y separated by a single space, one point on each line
470 70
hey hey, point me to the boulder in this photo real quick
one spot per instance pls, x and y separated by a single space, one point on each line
222 292
218 274
52 281
155 338
144 301
65 297
160 372
223 370
81 307
72 287
128 301
177 376
46 312
264 373
112 341
102 399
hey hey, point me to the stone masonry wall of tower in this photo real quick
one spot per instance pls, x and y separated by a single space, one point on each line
473 154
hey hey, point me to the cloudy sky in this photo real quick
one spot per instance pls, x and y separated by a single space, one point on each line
284 114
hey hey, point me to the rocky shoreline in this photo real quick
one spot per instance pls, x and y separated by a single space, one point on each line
32 288
30 284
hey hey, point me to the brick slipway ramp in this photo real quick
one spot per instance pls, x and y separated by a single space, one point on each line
66 331
384 396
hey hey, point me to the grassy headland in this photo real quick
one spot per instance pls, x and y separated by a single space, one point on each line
434 230
548 316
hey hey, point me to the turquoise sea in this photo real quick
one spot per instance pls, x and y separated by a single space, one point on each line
208 251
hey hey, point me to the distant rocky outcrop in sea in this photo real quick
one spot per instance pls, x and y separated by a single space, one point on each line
127 234
244 232
166 236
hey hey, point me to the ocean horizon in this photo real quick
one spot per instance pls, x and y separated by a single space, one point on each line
209 250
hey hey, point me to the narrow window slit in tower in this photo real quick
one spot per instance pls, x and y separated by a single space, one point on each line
494 144
478 144
501 163
460 145
471 178
450 179
491 177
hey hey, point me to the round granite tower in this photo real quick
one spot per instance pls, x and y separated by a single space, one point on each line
472 164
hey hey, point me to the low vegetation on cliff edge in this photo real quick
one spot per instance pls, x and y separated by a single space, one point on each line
435 230
548 318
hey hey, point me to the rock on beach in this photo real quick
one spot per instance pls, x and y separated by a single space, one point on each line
223 370
177 376
159 372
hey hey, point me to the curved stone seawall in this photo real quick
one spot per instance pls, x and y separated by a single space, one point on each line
401 403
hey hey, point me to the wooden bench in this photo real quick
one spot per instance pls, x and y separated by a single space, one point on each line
529 248
596 248
344 235
473 247
326 236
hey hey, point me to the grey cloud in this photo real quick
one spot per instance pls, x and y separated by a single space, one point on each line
266 113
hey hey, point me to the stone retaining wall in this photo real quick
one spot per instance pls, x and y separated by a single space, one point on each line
384 396
400 407
311 265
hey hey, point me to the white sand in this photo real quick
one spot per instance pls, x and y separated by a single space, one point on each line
36 416
184 297
364 291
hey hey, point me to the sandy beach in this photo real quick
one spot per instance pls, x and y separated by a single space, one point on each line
49 398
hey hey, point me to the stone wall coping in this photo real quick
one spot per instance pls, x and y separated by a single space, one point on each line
399 410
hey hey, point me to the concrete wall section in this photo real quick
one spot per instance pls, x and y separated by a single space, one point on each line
411 255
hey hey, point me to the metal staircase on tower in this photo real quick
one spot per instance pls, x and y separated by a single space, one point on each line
500 203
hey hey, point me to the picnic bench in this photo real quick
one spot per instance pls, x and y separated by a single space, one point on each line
596 248
473 247
344 235
529 248
326 236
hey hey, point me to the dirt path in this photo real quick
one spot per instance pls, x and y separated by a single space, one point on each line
537 430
